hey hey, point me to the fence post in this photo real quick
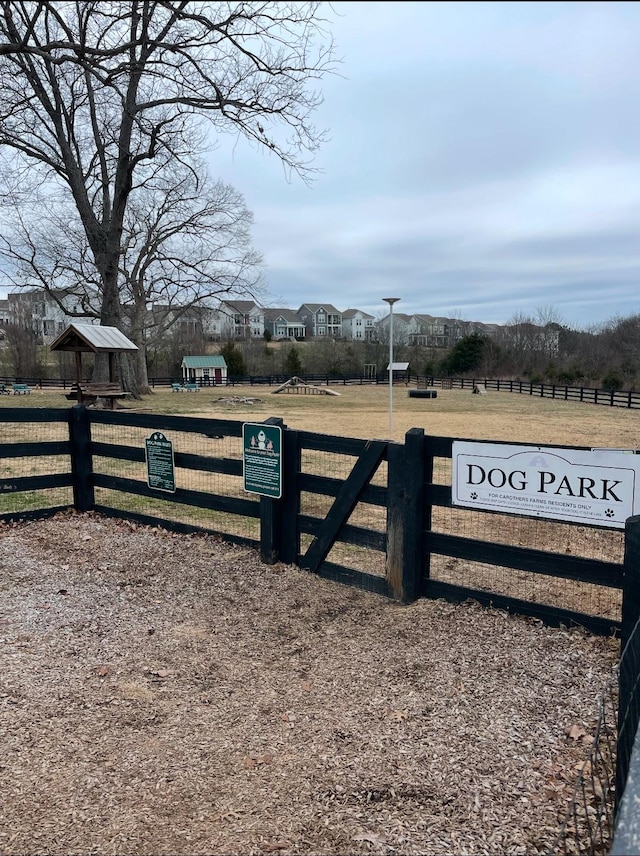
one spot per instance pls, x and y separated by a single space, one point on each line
629 678
270 517
81 458
405 553
290 502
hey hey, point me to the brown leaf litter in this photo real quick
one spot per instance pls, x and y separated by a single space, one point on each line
170 694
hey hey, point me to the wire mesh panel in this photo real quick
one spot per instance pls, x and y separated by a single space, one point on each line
359 545
552 563
589 822
207 465
35 463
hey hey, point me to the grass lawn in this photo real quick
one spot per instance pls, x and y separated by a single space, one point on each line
363 411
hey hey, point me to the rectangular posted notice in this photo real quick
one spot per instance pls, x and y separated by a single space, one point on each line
262 459
595 488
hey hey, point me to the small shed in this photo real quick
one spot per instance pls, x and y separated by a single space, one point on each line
399 370
93 339
206 371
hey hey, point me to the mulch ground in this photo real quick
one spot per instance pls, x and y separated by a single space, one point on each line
170 694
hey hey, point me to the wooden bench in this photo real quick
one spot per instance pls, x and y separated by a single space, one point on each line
192 387
91 392
21 389
4 389
177 387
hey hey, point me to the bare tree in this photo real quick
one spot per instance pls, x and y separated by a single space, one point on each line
184 244
97 96
22 345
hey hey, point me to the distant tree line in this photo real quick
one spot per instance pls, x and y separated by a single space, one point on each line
607 357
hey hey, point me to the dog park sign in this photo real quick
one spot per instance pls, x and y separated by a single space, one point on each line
595 488
262 459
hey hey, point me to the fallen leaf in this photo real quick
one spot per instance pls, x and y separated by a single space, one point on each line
252 761
103 671
161 673
575 732
371 837
399 715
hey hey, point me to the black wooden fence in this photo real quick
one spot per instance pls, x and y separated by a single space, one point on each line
586 394
345 502
626 398
370 513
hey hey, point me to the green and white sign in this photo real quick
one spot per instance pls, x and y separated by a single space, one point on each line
160 467
262 459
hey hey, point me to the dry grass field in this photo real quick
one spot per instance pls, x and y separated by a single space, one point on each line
167 694
363 411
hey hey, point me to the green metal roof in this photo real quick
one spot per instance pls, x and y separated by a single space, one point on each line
204 362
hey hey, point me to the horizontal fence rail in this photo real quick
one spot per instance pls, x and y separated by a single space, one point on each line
629 399
588 395
36 450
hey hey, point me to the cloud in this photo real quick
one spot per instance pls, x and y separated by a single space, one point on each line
482 156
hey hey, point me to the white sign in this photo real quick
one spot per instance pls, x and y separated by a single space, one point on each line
596 488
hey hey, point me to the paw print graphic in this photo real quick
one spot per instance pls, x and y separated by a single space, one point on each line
609 512
473 495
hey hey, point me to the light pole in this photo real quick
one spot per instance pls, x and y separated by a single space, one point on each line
391 301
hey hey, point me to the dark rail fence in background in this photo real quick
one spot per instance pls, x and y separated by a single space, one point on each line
629 399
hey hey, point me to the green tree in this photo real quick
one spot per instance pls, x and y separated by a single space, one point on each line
234 359
466 355
292 363
612 381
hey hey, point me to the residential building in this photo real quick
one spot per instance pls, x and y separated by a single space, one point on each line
42 312
357 325
429 331
241 319
322 320
284 324
401 323
6 315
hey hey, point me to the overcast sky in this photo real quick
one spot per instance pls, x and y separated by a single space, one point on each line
483 163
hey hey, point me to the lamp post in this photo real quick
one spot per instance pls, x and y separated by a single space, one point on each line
391 301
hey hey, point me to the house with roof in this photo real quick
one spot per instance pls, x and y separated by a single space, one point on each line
321 320
357 326
241 319
206 371
6 315
284 324
401 323
48 312
434 332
